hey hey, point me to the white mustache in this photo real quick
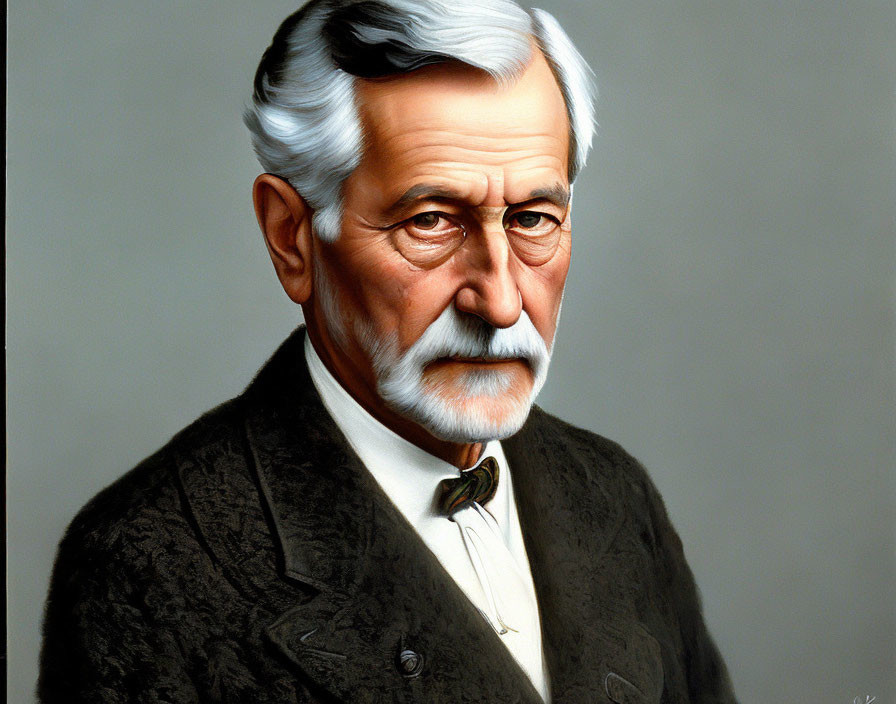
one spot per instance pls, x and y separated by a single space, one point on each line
453 334
468 336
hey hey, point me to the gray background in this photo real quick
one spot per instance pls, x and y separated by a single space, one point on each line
728 318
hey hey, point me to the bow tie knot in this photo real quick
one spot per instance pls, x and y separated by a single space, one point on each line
478 484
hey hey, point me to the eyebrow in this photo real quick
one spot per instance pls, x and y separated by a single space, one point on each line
424 191
557 194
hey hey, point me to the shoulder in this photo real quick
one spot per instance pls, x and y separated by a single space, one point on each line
143 510
597 464
137 594
601 460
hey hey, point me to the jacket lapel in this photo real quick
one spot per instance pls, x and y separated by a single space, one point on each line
578 539
381 593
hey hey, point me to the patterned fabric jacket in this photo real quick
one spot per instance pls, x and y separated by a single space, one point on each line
255 560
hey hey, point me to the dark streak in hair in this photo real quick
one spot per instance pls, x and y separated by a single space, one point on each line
273 61
363 59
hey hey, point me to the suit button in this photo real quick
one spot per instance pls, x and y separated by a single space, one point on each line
410 664
620 690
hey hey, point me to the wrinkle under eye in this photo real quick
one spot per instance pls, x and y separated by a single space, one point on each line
429 238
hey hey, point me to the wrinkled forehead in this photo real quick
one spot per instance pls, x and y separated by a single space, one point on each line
451 116
453 92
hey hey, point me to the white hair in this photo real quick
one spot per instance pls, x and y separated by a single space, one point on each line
304 116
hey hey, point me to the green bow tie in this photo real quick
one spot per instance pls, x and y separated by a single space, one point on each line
478 484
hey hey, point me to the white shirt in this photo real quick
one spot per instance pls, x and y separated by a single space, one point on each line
410 477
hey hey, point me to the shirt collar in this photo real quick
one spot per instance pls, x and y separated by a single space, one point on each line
408 474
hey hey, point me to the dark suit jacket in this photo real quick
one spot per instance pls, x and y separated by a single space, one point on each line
254 559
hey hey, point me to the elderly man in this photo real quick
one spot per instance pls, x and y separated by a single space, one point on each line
316 539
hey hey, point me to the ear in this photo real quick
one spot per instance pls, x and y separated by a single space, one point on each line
285 220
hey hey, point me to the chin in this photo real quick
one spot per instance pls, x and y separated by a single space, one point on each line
473 421
472 408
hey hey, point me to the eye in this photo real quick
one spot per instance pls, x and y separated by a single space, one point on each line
426 221
531 223
534 236
527 219
432 224
427 239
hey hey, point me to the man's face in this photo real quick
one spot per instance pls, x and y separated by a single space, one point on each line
440 298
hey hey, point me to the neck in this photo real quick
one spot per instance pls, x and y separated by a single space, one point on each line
461 455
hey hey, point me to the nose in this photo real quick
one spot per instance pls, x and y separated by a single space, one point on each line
490 289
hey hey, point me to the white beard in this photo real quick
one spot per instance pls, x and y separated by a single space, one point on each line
482 404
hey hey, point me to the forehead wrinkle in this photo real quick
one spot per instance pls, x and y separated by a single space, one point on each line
478 186
466 161
536 171
409 141
476 194
462 169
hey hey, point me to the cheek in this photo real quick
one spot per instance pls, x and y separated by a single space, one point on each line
542 291
397 298
423 297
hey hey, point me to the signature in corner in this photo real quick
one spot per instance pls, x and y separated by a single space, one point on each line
868 700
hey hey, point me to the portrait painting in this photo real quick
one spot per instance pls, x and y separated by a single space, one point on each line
451 351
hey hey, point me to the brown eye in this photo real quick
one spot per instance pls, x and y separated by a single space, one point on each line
427 239
432 226
527 220
530 223
534 236
426 221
